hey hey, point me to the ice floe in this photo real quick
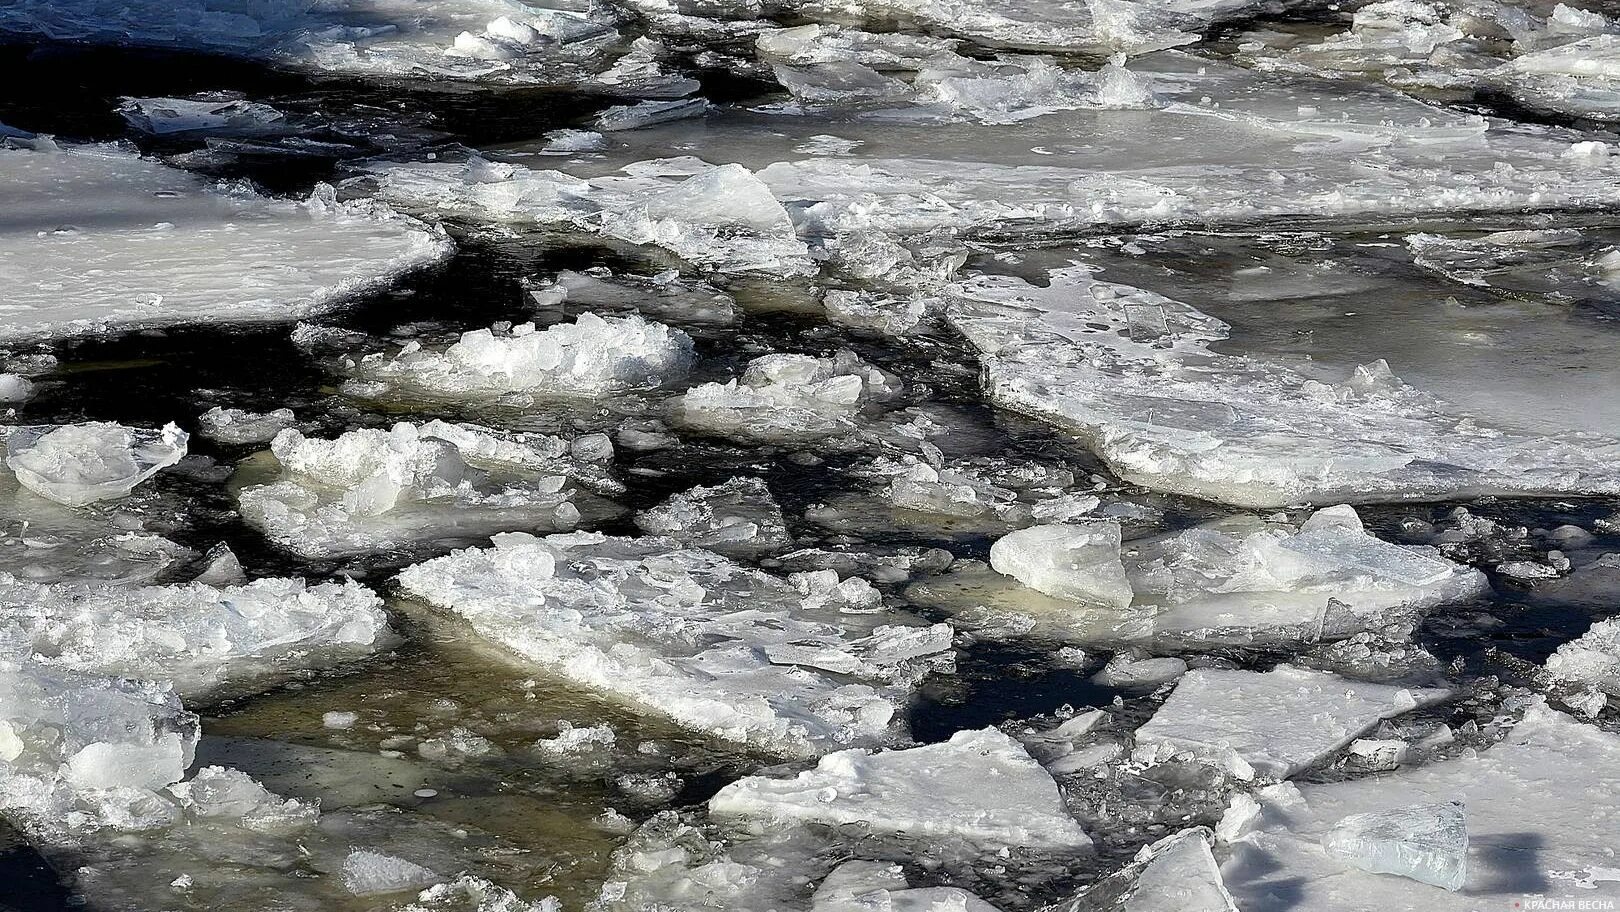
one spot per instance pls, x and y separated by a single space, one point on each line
980 786
374 491
97 237
689 635
1534 831
1270 725
738 518
80 464
1136 376
789 398
1175 874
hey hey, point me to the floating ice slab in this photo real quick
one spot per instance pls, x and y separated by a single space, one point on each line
589 358
739 518
687 634
80 464
371 491
1270 725
1168 412
1428 843
1239 579
1175 874
1592 659
97 238
789 398
980 786
720 218
366 872
196 636
236 426
860 886
666 296
1540 824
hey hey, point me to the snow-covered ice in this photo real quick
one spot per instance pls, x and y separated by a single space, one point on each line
689 635
99 238
1273 724
980 786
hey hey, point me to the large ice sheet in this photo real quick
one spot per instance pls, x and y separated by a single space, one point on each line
97 238
1270 725
980 787
1136 376
370 491
196 636
1541 828
689 635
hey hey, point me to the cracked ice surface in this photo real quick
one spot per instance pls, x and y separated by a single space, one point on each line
97 238
1536 823
1271 725
980 786
685 633
1169 412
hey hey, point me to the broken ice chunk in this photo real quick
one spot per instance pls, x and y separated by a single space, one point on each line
14 389
1175 874
589 358
220 115
475 894
371 491
1591 659
79 464
980 786
1428 843
366 872
666 296
1078 561
789 398
195 636
686 634
864 886
236 426
738 518
1274 724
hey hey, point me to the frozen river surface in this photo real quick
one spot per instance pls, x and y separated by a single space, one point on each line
809 456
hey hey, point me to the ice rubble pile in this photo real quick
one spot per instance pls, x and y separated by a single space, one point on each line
1589 665
591 357
1015 492
738 518
1134 375
934 792
194 635
1556 57
237 426
1240 578
735 653
788 398
718 217
370 491
1522 811
80 464
828 65
97 237
500 41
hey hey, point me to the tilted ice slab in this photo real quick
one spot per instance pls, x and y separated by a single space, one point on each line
1541 823
502 41
1240 579
97 238
789 398
196 636
980 786
1134 375
1175 874
590 358
371 491
80 464
687 634
1270 725
738 518
716 217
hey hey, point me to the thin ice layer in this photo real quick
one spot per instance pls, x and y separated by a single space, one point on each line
980 787
1272 724
689 635
371 491
1135 376
1540 823
97 238
196 636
